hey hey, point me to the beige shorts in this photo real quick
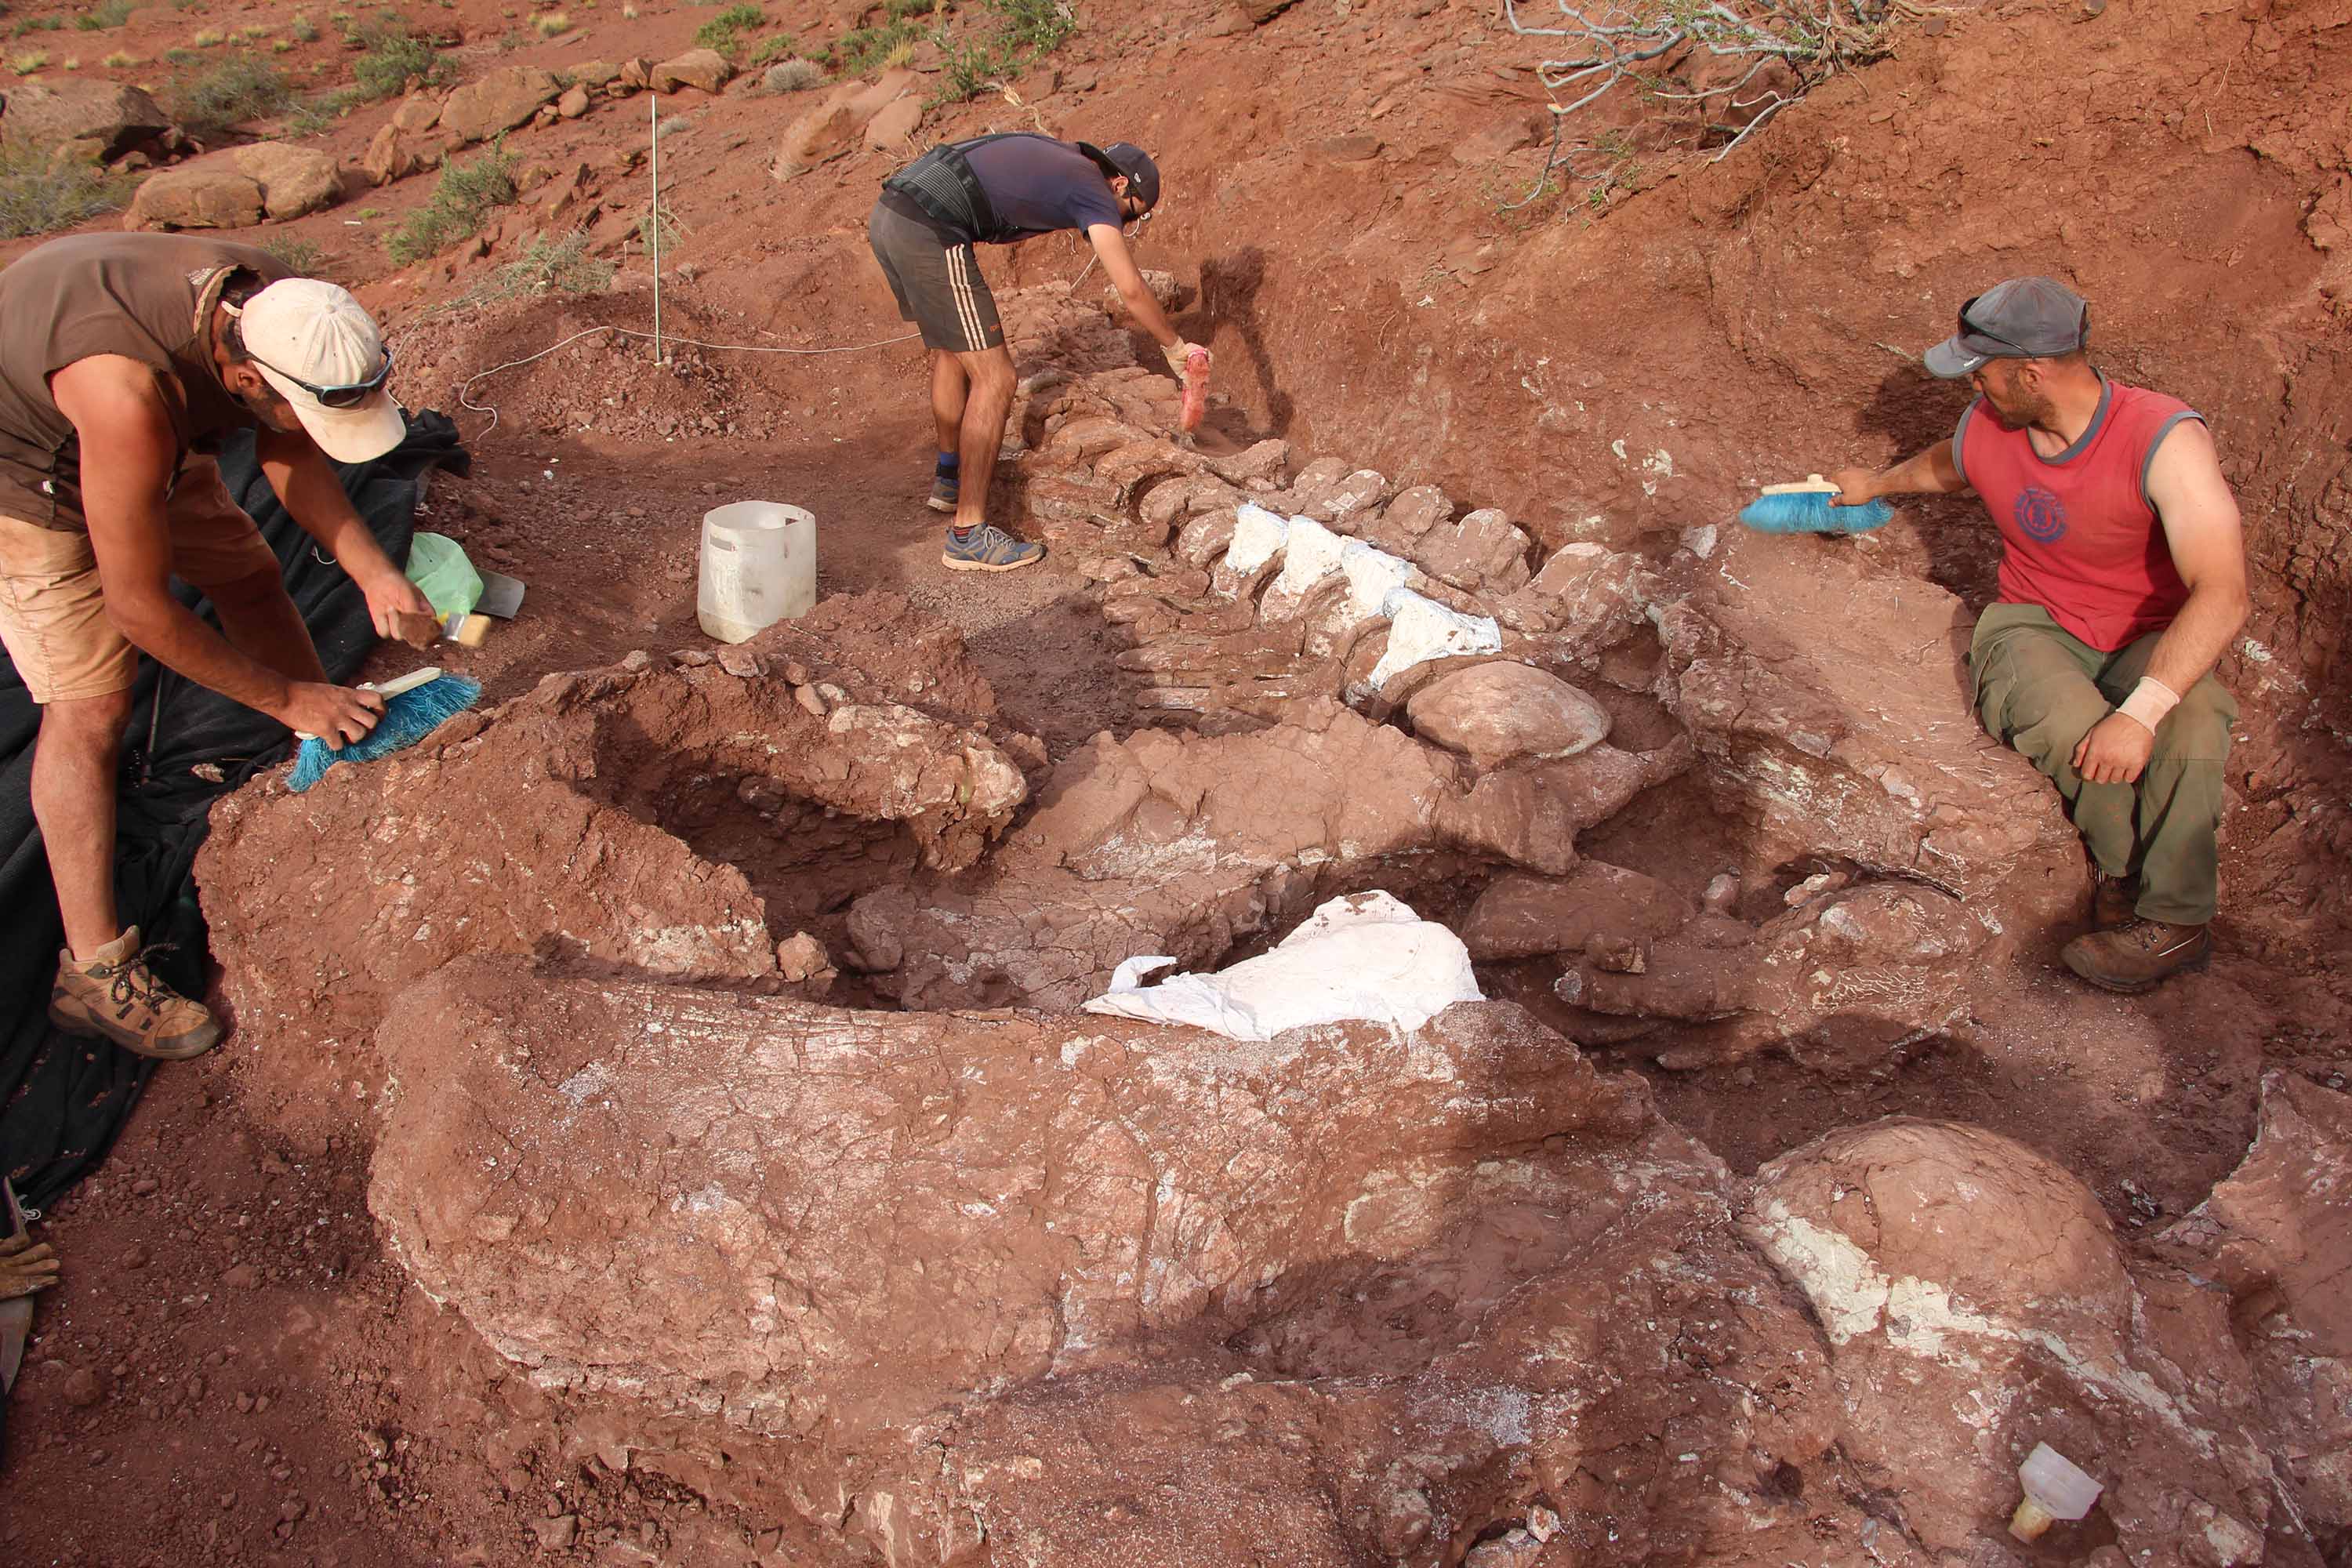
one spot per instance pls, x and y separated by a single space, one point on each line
53 616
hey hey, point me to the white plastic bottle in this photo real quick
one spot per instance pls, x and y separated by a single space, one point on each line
758 567
2054 1489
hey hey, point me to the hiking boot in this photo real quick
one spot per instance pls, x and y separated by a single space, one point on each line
989 548
2113 903
2135 955
116 997
945 487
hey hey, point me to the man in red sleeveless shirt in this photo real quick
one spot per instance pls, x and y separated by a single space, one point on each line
2123 578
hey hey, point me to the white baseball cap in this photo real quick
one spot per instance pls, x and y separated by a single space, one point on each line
319 346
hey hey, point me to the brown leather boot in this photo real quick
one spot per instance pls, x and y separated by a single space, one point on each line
2135 956
2113 903
116 997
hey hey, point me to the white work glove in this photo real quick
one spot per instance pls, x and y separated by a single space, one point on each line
1177 353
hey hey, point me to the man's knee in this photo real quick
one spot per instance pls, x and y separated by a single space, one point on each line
85 724
990 371
2043 712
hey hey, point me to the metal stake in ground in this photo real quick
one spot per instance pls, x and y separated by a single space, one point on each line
653 224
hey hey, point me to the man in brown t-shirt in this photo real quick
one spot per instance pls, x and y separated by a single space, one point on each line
123 360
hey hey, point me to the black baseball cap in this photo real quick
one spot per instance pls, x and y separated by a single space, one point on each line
2024 318
1127 158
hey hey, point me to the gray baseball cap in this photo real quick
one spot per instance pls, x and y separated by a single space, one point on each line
1127 158
2024 318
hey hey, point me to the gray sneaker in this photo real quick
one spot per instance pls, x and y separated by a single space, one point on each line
945 487
990 549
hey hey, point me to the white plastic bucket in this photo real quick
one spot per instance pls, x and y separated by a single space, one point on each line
759 567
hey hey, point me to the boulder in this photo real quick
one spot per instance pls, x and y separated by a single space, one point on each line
1595 905
417 114
395 154
817 135
895 125
1497 713
499 101
1975 1302
212 195
706 70
1481 554
294 181
102 120
573 103
594 75
635 73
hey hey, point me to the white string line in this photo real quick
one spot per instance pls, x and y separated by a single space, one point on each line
465 387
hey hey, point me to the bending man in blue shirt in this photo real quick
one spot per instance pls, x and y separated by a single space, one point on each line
999 190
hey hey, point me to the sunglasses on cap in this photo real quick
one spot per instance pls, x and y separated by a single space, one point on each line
1971 329
349 396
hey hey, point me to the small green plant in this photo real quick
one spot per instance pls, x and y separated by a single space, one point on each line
38 196
546 266
461 199
210 39
304 29
390 56
228 95
549 23
24 25
776 48
281 46
250 35
296 252
661 223
1025 31
105 13
25 65
118 60
198 6
181 57
725 31
320 111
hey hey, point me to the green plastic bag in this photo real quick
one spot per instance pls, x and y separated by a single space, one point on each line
437 564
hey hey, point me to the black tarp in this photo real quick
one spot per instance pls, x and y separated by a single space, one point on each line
63 1099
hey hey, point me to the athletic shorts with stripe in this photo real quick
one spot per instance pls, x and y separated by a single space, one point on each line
938 285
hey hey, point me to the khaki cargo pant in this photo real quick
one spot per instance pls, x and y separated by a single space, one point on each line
2040 689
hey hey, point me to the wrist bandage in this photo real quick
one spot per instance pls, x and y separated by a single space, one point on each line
2150 701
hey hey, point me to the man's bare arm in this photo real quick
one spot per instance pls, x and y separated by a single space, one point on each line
1928 472
1119 267
2201 528
130 453
306 481
2206 538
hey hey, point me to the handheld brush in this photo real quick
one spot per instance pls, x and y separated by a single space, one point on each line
414 705
1804 508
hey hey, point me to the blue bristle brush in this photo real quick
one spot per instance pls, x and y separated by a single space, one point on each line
414 705
1804 508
